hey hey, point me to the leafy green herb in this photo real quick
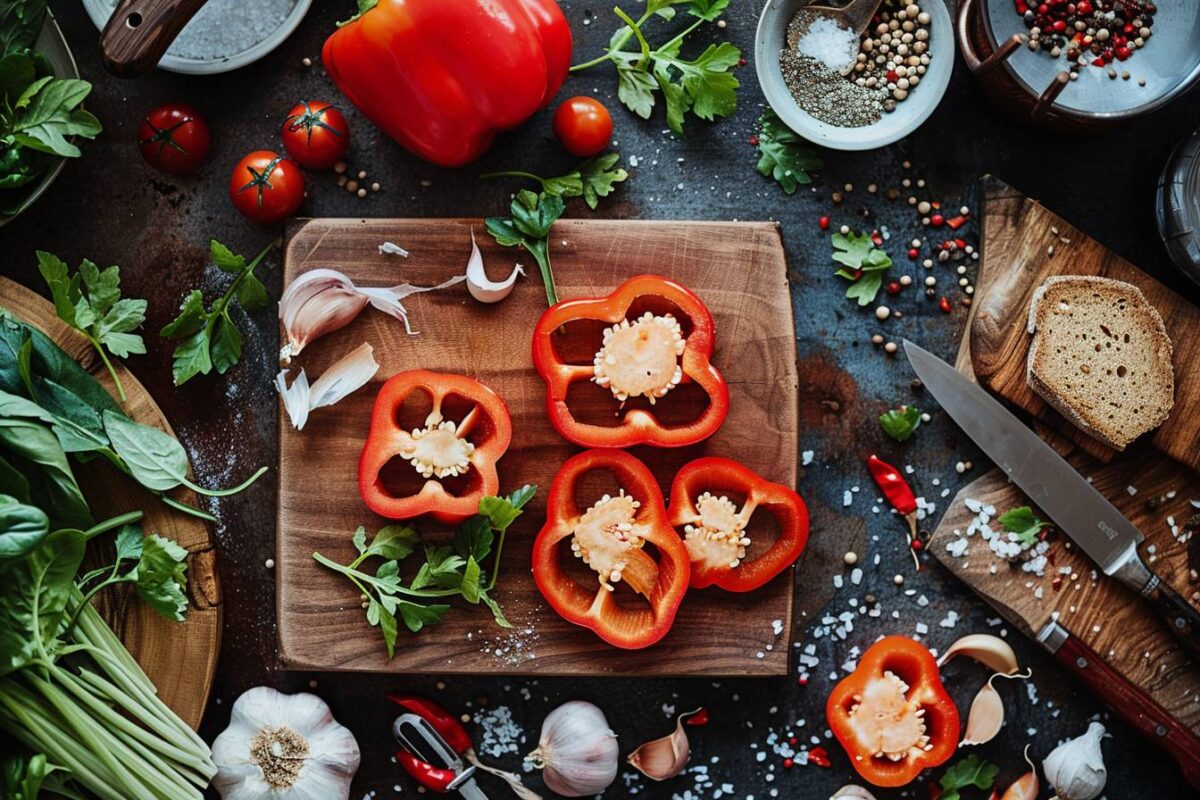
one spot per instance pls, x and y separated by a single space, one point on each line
971 771
210 339
595 178
90 302
529 228
1025 524
159 572
900 423
447 570
863 264
783 154
704 86
24 778
22 529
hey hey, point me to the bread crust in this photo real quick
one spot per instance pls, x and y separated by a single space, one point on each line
1159 395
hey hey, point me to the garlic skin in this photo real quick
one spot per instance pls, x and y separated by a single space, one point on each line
283 747
577 751
991 651
666 757
1075 769
481 287
344 377
1026 787
852 792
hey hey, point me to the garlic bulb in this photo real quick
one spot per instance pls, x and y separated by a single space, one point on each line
577 751
852 792
283 747
1076 767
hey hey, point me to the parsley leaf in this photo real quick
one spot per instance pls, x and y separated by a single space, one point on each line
209 337
595 178
1025 524
900 423
90 302
783 155
529 228
162 576
863 265
971 771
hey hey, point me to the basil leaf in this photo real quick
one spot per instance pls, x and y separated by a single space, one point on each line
155 459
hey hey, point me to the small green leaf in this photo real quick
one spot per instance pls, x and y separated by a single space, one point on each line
635 88
1025 524
191 358
970 771
252 294
360 539
225 347
417 616
225 259
497 612
783 155
470 581
474 537
900 423
387 625
394 542
129 542
190 318
162 577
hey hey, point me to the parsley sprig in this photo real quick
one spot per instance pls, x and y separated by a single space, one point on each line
90 302
1025 524
863 264
971 771
454 570
529 228
595 178
900 423
783 154
704 86
209 338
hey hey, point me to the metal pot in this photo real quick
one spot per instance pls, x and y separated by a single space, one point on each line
1033 87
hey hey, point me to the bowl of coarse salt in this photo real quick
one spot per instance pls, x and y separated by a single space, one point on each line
854 92
223 35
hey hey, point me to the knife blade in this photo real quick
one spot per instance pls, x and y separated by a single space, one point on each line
1078 510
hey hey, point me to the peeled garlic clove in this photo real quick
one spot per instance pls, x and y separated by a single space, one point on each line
852 792
577 751
317 302
1026 787
991 651
666 757
349 373
987 712
480 286
1076 767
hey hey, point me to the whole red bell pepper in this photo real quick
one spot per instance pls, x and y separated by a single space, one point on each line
609 537
714 528
443 77
643 355
892 714
465 433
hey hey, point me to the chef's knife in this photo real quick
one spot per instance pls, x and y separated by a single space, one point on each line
1051 483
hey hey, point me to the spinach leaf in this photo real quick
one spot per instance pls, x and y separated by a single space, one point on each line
47 112
49 364
12 482
20 23
35 598
22 529
155 459
34 450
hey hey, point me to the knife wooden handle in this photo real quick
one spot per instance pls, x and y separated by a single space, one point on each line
1134 706
1179 616
140 31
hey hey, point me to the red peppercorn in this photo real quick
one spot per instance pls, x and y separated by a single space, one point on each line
893 287
754 141
916 544
892 77
788 763
876 239
1123 53
1059 26
824 223
802 681
937 220
793 740
913 253
1043 8
1083 7
944 304
741 62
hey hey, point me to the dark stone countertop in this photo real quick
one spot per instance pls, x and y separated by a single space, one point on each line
111 207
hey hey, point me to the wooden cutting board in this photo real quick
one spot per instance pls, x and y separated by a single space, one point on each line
1020 249
737 269
180 658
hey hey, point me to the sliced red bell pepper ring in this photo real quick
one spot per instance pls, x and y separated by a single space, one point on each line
644 357
609 537
714 529
442 448
892 714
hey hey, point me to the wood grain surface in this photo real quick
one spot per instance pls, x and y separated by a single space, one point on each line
180 658
738 270
1106 616
1017 238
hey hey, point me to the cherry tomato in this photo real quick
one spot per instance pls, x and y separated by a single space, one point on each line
583 125
174 138
266 187
316 134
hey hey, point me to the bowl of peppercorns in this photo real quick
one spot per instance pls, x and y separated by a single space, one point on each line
849 90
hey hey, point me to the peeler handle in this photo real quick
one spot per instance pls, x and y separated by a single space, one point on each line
140 31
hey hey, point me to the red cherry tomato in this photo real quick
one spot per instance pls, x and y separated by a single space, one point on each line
316 134
174 138
583 125
266 187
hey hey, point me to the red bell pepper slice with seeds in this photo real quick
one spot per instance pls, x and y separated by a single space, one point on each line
610 537
458 446
714 528
892 714
645 353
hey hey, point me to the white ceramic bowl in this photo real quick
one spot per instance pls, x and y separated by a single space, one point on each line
100 12
771 38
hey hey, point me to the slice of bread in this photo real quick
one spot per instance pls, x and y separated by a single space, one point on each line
1101 356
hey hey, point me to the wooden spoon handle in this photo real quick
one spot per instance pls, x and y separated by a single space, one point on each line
140 31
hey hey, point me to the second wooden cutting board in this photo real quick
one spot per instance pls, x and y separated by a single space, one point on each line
738 270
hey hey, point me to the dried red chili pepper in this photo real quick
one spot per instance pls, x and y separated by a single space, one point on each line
899 495
819 756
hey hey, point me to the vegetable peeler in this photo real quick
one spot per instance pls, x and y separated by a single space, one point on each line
432 746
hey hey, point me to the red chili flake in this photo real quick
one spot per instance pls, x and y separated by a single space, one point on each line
876 238
788 763
819 756
937 220
957 221
754 141
802 680
1099 62
698 719
1123 53
1056 583
948 244
741 62
960 244
893 287
944 304
824 223
793 740
892 77
914 253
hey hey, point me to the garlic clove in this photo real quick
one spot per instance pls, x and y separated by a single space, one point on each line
1026 787
666 757
852 792
344 377
991 651
986 716
480 286
577 751
1075 769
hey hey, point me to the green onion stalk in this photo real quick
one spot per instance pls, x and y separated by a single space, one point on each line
91 709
